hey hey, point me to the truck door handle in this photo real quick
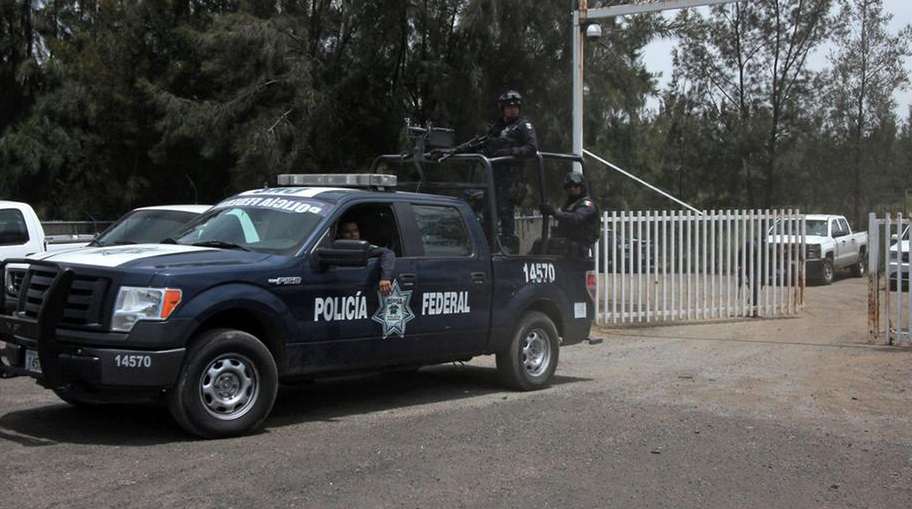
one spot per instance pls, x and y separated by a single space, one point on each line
407 279
478 278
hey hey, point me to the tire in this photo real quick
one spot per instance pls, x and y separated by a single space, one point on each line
860 268
827 272
531 358
227 385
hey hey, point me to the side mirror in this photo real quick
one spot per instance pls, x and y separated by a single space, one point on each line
343 253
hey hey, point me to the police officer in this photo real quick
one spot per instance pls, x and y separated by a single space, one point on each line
348 229
577 219
510 135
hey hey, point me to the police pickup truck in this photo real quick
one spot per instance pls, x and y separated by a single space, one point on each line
259 291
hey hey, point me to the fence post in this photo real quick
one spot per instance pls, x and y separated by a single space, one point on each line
803 257
887 226
908 292
873 276
596 252
614 265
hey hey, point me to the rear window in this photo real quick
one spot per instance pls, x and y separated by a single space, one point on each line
12 228
443 232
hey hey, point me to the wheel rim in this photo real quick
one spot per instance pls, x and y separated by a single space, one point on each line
229 386
536 352
828 272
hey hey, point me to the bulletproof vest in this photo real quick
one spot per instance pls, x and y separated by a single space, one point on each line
507 136
586 232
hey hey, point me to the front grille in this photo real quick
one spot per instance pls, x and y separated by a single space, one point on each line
84 303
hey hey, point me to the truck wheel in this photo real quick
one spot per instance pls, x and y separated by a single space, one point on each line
859 269
530 360
226 387
826 272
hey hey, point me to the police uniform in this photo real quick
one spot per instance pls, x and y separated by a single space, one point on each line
387 260
515 138
578 223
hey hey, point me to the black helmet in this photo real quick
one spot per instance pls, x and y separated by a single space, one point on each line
509 97
574 179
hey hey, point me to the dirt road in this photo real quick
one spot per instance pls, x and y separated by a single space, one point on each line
800 412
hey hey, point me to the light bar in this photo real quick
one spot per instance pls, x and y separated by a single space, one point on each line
337 180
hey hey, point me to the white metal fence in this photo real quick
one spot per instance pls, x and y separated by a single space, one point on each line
889 299
659 266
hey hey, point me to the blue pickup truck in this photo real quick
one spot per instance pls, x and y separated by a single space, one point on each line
260 290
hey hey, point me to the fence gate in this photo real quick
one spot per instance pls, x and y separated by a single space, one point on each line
889 301
677 266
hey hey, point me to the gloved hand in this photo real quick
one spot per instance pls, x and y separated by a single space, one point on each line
546 209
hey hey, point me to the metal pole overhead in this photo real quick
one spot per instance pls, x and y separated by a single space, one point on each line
641 181
581 18
577 73
652 6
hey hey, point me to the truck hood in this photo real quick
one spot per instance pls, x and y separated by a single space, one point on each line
817 239
158 256
811 239
784 239
903 247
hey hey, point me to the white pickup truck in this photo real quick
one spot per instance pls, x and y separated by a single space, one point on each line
831 245
898 272
21 232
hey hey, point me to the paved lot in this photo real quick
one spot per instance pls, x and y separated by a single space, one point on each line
802 412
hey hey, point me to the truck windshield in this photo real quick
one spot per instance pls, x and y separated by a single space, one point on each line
817 227
814 227
142 226
269 229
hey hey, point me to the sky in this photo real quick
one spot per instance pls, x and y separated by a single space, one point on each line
657 55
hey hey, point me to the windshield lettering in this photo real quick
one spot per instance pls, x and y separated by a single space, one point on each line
291 205
267 224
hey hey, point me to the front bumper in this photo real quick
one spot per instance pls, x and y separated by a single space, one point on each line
68 359
97 367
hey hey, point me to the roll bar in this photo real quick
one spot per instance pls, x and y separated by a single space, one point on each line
422 165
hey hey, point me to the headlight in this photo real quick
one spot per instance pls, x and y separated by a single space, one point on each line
134 304
813 251
12 277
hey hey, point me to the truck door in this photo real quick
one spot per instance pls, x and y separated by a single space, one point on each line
346 323
843 254
850 255
453 287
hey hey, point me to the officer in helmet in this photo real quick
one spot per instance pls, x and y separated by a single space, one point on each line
577 220
510 135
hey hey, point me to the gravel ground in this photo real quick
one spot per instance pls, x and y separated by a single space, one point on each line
796 412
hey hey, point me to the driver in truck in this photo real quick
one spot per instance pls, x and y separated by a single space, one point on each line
348 229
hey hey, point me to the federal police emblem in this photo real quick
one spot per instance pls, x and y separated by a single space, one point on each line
394 311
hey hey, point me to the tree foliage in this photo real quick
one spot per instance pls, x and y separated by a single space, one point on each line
111 104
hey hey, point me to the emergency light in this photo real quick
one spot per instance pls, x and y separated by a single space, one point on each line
338 180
